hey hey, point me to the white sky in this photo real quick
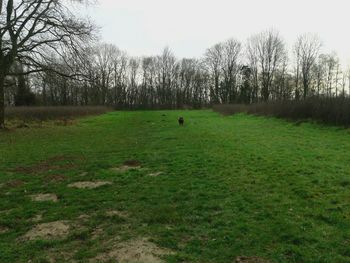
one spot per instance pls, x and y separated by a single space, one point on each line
189 27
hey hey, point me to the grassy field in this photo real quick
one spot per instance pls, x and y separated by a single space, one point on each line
213 190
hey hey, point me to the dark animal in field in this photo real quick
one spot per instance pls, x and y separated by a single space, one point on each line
181 121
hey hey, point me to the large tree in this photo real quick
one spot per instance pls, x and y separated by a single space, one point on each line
33 32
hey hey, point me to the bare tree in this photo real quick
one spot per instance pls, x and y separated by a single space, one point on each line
230 67
337 76
253 60
319 70
31 30
348 75
270 55
213 61
306 50
330 61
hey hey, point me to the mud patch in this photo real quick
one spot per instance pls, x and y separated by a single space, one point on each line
48 231
135 251
44 198
89 185
132 163
155 174
244 259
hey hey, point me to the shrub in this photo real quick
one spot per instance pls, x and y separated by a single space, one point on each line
335 111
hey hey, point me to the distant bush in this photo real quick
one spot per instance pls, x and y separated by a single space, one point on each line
52 113
335 111
159 107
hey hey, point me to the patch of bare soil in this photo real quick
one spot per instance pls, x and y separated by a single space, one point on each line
3 230
128 165
44 198
121 214
48 231
132 163
134 251
89 185
55 178
53 163
243 259
155 174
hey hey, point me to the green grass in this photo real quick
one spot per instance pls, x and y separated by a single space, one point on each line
231 186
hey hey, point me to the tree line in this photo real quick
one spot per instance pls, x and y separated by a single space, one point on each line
228 72
49 56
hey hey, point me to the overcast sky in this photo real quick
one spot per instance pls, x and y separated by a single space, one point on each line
188 27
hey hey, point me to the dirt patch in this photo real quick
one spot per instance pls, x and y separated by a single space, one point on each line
135 251
121 214
53 163
44 198
89 185
243 259
155 174
14 184
3 230
128 165
48 231
132 163
83 174
55 178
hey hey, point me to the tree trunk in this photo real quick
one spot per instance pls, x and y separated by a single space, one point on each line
2 101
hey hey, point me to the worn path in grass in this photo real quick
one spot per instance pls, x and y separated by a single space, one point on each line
213 190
